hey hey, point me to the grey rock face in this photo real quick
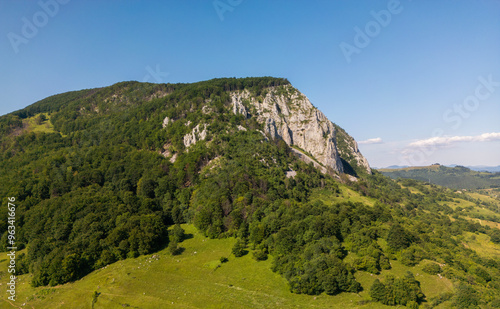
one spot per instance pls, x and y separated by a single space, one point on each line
165 122
196 135
238 107
289 115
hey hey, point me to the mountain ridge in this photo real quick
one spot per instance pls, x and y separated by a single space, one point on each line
271 105
457 177
477 168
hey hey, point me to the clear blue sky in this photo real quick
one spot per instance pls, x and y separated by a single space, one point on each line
417 76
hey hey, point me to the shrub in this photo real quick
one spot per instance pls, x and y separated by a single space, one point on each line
401 291
398 238
260 255
432 268
239 248
177 233
466 297
173 248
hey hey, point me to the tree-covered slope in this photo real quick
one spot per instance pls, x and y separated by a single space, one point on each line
458 177
116 167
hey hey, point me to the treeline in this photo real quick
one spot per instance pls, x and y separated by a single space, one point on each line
457 178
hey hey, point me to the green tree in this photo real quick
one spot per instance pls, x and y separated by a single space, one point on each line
398 238
173 247
495 236
465 297
378 291
239 248
431 268
177 233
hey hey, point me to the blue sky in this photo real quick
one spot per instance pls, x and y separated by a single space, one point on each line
415 82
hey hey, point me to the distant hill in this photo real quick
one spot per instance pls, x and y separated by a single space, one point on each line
458 177
483 168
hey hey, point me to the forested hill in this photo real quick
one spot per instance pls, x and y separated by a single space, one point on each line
109 174
458 177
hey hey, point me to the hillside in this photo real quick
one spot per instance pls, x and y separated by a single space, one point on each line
458 177
198 186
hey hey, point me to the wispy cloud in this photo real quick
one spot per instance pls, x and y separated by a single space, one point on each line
377 140
449 140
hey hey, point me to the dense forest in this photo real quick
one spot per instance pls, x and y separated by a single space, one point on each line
458 177
93 188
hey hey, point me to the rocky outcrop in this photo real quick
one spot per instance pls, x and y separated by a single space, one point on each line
196 135
238 107
288 115
349 151
165 122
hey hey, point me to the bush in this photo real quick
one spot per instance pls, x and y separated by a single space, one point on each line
384 262
482 273
465 297
177 233
239 248
401 291
173 248
495 236
260 255
432 268
223 259
398 238
495 303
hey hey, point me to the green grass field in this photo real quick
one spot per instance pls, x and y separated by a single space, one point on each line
197 279
482 245
43 127
346 194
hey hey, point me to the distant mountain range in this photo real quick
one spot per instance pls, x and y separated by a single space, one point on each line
477 168
481 168
455 177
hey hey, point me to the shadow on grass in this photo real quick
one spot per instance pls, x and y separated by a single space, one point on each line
187 236
179 251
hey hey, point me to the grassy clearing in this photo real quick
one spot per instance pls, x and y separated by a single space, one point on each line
197 279
483 197
346 194
482 245
431 285
411 168
33 124
194 279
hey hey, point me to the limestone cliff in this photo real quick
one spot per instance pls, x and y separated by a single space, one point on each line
289 115
352 158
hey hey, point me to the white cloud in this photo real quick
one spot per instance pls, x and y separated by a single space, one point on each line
448 140
377 140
